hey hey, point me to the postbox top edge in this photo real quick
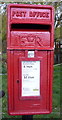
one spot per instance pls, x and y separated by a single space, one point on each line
30 6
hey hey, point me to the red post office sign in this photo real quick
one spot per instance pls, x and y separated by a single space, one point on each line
30 48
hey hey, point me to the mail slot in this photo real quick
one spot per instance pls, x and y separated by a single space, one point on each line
30 49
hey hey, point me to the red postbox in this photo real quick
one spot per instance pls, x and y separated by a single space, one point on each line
30 59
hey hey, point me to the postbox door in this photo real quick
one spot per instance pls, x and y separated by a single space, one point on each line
29 97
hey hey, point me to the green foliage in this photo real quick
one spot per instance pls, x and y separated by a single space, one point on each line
57 34
61 32
3 68
4 31
4 63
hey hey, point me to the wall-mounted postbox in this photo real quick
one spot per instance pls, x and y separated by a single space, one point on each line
30 59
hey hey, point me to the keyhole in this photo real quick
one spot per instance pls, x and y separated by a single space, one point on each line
17 81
